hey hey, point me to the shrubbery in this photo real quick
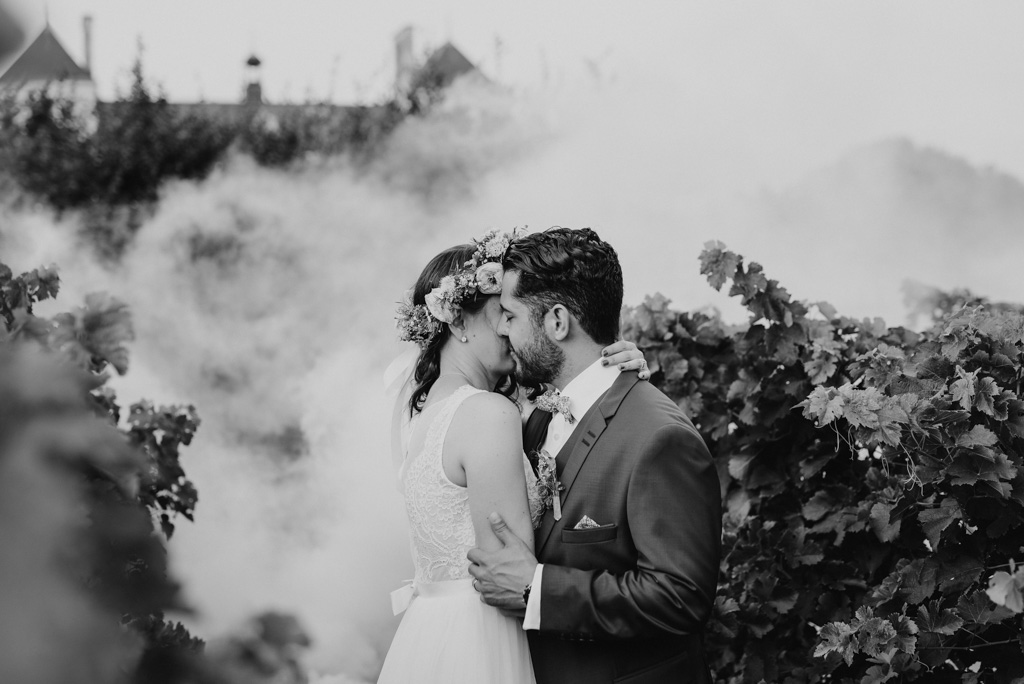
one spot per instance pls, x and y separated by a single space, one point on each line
88 496
113 163
121 156
873 478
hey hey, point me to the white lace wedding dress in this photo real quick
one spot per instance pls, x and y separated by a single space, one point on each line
448 635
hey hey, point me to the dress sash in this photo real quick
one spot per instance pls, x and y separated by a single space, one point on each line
403 596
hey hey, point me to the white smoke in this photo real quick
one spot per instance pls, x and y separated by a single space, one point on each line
265 298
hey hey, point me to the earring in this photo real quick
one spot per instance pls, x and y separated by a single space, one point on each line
465 339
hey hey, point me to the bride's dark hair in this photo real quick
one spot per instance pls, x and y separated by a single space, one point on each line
428 365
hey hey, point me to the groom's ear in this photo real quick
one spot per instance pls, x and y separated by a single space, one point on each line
558 322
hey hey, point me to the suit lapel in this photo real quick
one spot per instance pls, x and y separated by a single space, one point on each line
574 452
534 432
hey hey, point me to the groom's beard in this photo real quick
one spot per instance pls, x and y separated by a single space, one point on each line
540 362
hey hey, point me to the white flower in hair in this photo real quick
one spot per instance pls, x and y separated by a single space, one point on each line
482 274
496 248
488 278
439 301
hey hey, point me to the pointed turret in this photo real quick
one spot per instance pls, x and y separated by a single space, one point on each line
44 61
442 68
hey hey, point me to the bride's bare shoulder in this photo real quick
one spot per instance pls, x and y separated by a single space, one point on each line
489 411
491 404
486 431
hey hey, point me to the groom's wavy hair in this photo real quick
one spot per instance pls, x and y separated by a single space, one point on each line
575 268
428 365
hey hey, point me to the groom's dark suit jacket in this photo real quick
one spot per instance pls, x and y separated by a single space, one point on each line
627 601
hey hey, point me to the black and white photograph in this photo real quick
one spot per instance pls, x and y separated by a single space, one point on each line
466 342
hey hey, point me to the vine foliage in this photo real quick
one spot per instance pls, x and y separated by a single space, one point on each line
872 478
123 480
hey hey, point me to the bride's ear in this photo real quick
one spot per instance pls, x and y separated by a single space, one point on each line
458 328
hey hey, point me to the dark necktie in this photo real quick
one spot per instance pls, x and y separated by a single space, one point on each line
534 434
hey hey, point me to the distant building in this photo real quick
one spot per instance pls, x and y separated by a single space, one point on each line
414 82
45 64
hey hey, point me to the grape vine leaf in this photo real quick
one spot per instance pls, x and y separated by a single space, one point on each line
885 529
739 464
742 387
877 674
918 580
823 405
931 649
837 637
820 505
100 330
876 636
1004 589
933 618
959 573
963 388
826 309
891 417
809 467
979 435
987 392
1015 418
935 520
906 631
861 407
977 607
983 464
718 264
41 283
820 368
748 283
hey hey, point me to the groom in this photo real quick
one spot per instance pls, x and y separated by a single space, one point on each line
623 580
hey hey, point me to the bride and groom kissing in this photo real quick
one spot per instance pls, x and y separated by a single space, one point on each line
581 547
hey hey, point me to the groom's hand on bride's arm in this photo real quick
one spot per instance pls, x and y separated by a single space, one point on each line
501 576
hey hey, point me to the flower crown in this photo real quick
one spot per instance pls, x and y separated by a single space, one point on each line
482 274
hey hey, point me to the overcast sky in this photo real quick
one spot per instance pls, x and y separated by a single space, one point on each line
945 73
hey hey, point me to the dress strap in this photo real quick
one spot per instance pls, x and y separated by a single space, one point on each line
439 427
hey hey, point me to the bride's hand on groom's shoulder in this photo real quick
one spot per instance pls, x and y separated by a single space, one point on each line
626 356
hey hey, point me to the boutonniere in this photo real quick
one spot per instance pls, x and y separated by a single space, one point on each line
556 403
547 483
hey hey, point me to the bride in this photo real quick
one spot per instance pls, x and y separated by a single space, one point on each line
459 433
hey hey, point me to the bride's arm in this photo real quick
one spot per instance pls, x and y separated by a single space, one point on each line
486 440
627 356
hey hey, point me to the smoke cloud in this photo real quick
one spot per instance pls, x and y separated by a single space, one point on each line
265 298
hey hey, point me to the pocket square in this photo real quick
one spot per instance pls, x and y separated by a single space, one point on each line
585 523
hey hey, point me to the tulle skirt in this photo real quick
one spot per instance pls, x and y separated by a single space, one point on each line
448 635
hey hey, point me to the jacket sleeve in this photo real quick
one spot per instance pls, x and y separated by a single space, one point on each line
674 515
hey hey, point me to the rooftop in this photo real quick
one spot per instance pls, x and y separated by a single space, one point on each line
44 60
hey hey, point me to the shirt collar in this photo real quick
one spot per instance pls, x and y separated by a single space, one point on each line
586 388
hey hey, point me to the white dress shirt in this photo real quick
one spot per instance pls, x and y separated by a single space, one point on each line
583 391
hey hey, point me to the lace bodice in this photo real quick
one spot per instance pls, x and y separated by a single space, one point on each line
438 509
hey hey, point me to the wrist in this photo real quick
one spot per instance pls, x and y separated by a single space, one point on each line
526 594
